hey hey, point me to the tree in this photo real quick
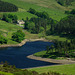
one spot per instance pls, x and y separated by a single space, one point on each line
15 18
52 47
32 11
5 64
5 16
65 2
72 12
45 15
7 7
3 40
66 25
67 12
10 18
26 24
47 48
18 36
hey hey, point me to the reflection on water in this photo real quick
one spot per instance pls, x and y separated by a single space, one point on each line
17 55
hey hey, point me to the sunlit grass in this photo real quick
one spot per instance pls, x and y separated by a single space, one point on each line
55 10
5 73
52 37
62 69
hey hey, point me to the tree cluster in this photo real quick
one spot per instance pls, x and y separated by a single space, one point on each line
7 7
61 49
66 25
18 36
37 25
49 26
39 14
70 12
65 47
8 68
3 40
10 18
65 2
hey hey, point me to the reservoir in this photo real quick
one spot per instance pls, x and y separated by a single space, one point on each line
18 55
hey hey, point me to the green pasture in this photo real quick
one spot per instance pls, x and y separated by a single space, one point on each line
56 37
62 69
44 3
55 10
6 29
20 15
5 73
4 26
72 6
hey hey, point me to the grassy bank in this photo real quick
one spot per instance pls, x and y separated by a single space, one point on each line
56 37
5 73
62 69
52 55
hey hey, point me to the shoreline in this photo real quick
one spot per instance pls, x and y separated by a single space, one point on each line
65 61
23 42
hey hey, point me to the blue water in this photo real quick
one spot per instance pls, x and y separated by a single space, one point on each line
17 55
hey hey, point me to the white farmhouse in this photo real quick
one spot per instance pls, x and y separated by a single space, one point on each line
20 22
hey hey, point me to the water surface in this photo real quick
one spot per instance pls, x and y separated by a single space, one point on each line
17 55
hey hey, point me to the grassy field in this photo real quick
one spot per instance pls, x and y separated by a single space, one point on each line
62 69
5 73
55 10
6 29
20 15
56 37
4 26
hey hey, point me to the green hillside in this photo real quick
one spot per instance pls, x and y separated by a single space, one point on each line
20 15
6 29
55 10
